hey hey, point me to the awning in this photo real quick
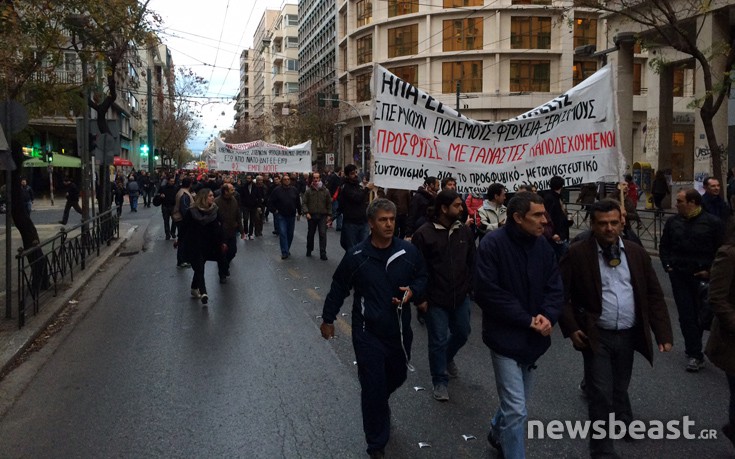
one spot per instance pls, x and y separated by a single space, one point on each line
59 161
118 161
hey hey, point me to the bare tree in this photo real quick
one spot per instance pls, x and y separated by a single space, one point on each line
178 120
678 24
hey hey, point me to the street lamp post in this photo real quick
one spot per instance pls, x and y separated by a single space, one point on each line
362 123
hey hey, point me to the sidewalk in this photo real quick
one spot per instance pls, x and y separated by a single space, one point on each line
14 341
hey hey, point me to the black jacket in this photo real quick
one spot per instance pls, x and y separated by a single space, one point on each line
353 201
690 244
169 195
553 205
251 195
419 205
450 257
202 236
376 275
285 200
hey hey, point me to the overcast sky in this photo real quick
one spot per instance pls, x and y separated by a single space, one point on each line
208 37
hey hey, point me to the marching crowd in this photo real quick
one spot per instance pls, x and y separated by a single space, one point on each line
440 251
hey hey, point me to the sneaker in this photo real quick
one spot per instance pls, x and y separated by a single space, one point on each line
441 393
183 265
308 253
222 279
195 293
250 237
284 256
377 454
694 364
452 369
495 443
61 223
205 299
323 257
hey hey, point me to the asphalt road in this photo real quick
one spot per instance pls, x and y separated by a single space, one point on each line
148 372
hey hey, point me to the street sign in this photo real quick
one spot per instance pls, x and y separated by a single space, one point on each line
329 159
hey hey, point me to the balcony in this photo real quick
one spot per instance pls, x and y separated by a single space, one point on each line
59 76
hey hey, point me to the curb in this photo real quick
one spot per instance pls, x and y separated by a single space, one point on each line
20 340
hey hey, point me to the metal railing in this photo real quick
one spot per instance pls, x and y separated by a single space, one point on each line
648 226
43 268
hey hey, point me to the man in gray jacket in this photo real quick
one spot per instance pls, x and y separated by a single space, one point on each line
317 207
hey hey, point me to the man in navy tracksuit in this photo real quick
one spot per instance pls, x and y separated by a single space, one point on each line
385 273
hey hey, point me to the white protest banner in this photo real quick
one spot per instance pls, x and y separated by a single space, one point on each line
259 156
414 136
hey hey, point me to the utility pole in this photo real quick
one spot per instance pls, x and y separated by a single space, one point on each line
459 86
151 149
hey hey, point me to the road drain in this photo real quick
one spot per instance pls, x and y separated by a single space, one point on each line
128 254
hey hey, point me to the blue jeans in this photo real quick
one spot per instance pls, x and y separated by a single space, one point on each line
353 234
133 202
285 232
513 382
337 215
448 330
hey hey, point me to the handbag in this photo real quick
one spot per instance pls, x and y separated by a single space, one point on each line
157 200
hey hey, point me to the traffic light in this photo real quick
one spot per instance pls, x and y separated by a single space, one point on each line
50 157
144 151
320 96
92 143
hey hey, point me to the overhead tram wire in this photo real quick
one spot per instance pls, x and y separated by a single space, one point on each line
222 30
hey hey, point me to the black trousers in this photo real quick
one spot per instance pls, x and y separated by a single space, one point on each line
169 226
607 375
685 288
317 222
381 369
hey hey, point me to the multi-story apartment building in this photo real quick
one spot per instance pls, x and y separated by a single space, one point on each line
491 61
495 60
242 106
317 50
275 70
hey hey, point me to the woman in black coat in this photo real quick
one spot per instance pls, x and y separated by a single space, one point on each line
202 238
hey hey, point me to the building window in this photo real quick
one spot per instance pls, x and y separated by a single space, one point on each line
462 34
292 20
403 41
399 7
292 42
530 33
461 3
530 76
468 73
362 86
679 82
531 2
70 64
407 73
365 49
292 88
582 70
364 12
292 64
637 68
585 32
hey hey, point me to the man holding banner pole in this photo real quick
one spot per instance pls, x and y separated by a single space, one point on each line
353 200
